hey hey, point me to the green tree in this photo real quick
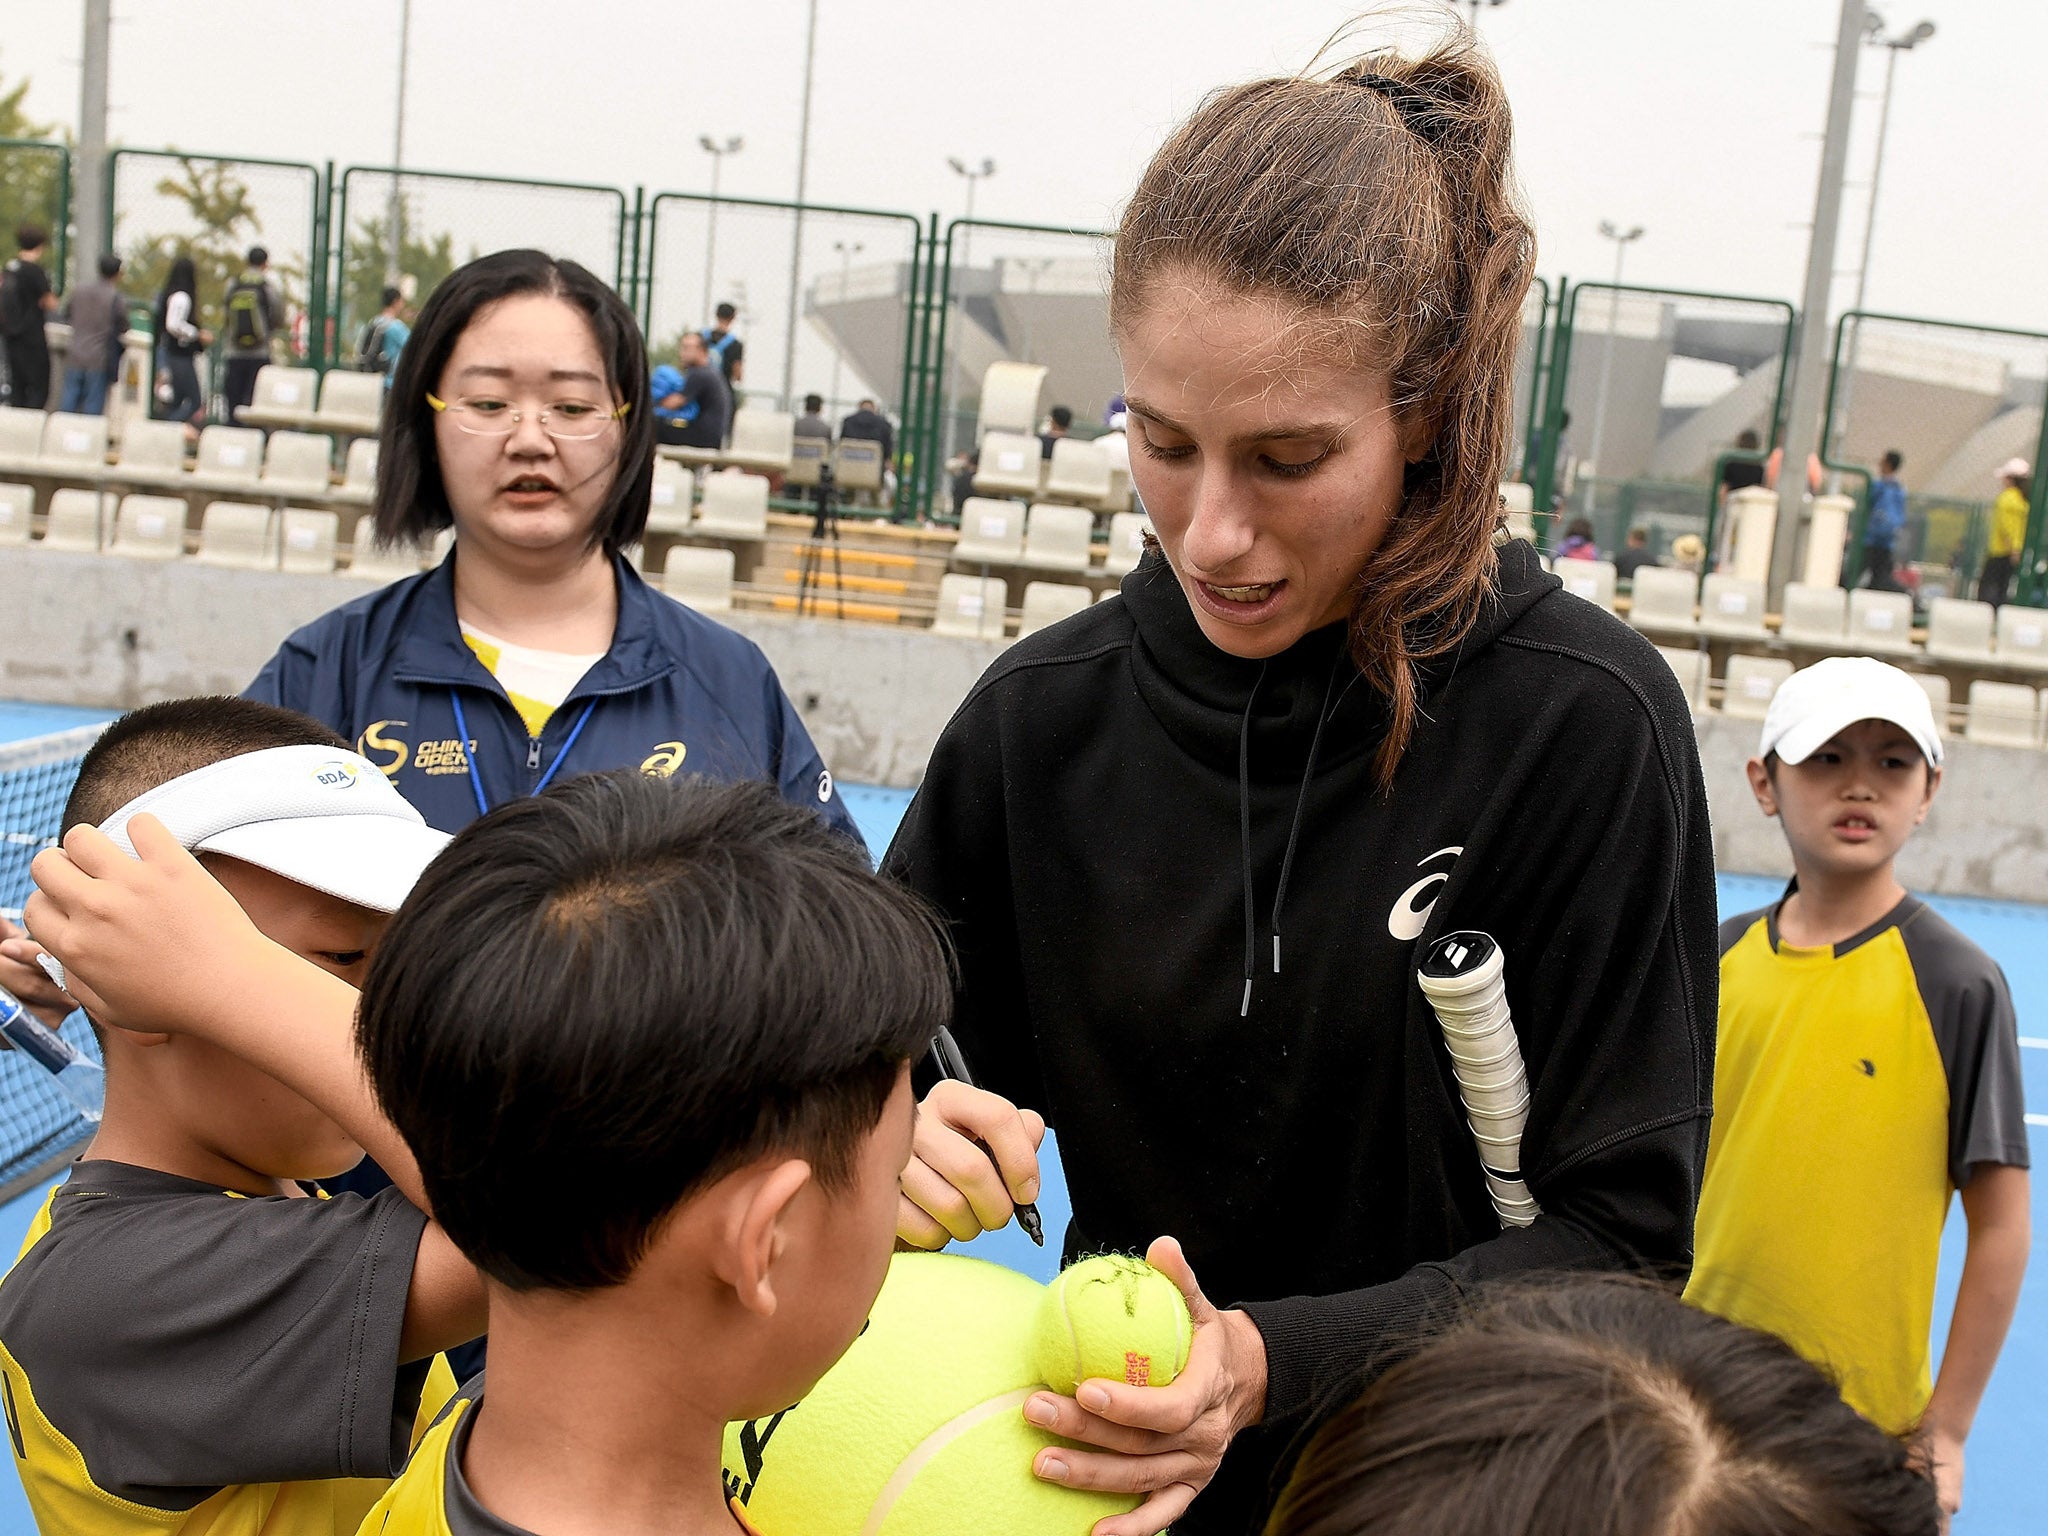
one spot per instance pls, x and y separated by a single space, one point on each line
424 258
31 177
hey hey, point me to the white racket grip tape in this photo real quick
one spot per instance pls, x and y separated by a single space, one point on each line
1462 976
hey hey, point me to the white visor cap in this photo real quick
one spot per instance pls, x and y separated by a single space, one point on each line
317 816
1818 703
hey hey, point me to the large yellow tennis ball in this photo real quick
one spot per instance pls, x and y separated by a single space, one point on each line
919 1429
1115 1318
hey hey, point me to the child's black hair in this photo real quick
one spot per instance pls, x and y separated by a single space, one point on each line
601 999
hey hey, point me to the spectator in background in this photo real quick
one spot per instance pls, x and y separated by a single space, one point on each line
180 340
1116 442
384 337
692 404
869 425
1635 556
99 317
1578 541
1887 520
2008 532
25 303
813 423
251 314
964 470
1058 423
1740 474
726 349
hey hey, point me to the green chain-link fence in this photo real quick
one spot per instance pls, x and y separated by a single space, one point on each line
35 188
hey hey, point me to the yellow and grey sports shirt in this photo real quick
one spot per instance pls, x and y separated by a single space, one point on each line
175 1358
1856 1087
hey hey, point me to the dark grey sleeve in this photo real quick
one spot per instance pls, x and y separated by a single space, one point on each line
191 1344
1978 1035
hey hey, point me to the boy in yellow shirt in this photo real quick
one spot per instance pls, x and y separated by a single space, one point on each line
1867 1069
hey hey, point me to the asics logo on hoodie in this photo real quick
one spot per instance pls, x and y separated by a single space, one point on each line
1413 906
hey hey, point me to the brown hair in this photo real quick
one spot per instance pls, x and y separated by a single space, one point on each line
1604 1406
1379 200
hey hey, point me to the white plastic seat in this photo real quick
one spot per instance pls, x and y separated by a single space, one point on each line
991 532
1591 579
1057 538
1079 472
668 501
1746 692
734 506
1047 602
1009 396
151 452
1815 616
1959 630
1662 599
149 528
351 402
1126 543
1881 623
807 459
230 453
971 606
1519 502
74 444
2004 715
238 533
761 439
1009 465
372 562
358 486
309 537
298 464
857 464
77 521
1690 668
283 397
2022 636
1731 606
21 436
1935 686
17 509
700 578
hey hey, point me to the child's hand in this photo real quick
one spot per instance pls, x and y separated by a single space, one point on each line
148 943
973 1161
27 980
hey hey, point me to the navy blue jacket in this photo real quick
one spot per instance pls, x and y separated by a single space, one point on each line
675 693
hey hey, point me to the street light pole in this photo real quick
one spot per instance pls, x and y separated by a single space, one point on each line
717 151
796 235
847 251
1622 239
975 174
394 215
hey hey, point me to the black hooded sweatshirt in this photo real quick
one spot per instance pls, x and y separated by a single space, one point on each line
1122 822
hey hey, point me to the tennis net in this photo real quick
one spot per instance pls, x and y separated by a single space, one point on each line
39 1127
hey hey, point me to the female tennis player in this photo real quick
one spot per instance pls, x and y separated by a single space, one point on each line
1194 843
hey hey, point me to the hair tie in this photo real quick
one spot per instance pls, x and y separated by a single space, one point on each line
1409 104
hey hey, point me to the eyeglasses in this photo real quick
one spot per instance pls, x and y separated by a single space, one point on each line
566 421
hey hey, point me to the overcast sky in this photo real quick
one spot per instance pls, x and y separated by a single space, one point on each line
1697 118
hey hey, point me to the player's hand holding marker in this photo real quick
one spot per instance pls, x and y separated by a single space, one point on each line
1463 979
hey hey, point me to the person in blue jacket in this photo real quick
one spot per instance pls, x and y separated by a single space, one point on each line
1886 522
520 417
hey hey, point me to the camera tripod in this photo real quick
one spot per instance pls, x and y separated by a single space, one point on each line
824 528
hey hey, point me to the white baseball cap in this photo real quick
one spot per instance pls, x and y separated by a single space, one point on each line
318 816
2015 469
1816 704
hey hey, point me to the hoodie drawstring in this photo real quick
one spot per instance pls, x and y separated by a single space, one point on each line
1244 838
1308 772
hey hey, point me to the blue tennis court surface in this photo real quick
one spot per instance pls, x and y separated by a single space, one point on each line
2004 1497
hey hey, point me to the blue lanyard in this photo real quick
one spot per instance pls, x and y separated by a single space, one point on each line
476 783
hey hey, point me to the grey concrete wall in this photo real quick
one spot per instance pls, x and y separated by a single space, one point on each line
90 629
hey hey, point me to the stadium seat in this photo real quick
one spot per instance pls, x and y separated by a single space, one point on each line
1881 623
761 439
298 464
991 532
2003 715
1690 668
1746 693
149 528
75 521
17 510
700 578
734 506
358 486
1591 579
1009 396
668 507
21 437
857 464
233 454
1047 602
1663 599
1126 543
1959 630
1057 538
1815 616
807 459
371 562
1731 606
2022 636
152 453
1519 503
1009 465
283 398
971 606
238 533
1935 686
351 403
309 539
74 445
1079 473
